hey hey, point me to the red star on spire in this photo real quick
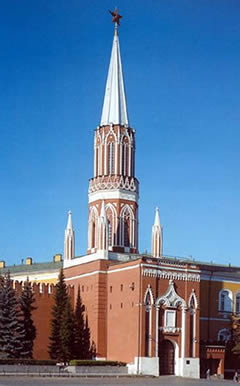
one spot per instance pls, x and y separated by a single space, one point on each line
115 16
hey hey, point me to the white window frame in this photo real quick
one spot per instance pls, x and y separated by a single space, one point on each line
235 302
231 300
170 312
224 332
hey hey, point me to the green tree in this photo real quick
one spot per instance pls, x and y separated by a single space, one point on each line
67 333
26 301
60 302
11 324
79 328
86 341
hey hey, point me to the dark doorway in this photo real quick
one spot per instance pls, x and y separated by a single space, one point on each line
166 357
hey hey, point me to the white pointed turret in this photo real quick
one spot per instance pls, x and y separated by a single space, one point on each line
115 105
102 229
69 240
157 236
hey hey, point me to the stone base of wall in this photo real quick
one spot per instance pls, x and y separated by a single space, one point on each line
144 366
189 367
29 369
97 370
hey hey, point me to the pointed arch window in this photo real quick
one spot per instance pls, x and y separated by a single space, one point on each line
125 156
96 165
147 324
109 233
111 156
126 231
93 234
111 215
192 327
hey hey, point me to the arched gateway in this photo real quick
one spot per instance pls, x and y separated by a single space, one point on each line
166 358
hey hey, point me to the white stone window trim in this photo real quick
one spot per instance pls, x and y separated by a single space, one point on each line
224 332
235 302
230 295
167 314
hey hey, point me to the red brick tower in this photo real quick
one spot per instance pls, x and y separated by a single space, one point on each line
113 190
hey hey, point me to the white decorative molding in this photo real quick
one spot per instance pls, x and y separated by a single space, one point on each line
172 330
162 274
112 194
112 182
148 291
193 295
224 335
171 298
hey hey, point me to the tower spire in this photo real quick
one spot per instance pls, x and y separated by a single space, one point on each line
157 236
113 190
115 106
69 239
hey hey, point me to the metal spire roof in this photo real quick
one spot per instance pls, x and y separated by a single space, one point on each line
115 106
69 223
157 218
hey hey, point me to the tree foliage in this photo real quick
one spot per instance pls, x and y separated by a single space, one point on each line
11 323
84 349
70 333
27 301
60 302
67 332
236 335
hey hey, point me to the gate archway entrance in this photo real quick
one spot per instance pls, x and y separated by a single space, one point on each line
166 357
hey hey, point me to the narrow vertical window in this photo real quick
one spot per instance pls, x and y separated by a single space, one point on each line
147 325
126 231
133 162
123 158
93 234
109 233
191 332
111 154
238 304
126 160
222 301
96 166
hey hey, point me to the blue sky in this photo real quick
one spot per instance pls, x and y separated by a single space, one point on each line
181 61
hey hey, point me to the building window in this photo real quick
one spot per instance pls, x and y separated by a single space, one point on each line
224 335
225 301
111 158
170 318
110 306
121 287
93 234
109 233
110 289
121 305
96 166
147 325
126 232
123 159
237 303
